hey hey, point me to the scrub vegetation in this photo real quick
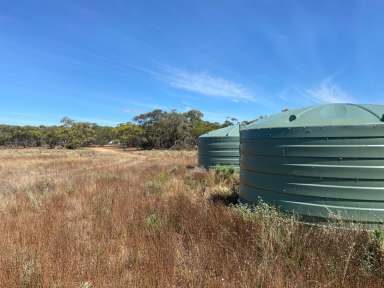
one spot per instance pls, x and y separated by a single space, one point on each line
103 217
156 129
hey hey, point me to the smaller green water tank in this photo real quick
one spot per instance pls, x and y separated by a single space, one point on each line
220 148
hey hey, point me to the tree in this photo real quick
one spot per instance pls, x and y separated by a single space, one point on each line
53 136
194 116
104 135
203 127
76 134
67 122
163 129
79 135
230 121
129 134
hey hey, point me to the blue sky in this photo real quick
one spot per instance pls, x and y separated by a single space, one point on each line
106 61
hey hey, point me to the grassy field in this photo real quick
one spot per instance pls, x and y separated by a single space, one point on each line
110 218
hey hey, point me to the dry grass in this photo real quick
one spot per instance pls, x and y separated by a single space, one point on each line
99 218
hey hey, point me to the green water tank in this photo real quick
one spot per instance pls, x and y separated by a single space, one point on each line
220 148
321 161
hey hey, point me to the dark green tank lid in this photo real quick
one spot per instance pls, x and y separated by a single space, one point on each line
323 115
229 131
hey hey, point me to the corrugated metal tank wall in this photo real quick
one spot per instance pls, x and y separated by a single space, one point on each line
220 148
317 161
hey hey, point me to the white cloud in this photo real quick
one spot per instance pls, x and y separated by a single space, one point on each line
141 106
132 110
206 84
329 92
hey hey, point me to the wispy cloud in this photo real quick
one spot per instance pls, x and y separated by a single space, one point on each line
206 84
210 115
329 92
140 107
132 110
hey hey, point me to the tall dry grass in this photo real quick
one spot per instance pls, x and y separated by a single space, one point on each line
94 218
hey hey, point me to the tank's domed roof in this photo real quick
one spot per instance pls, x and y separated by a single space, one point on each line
229 131
323 115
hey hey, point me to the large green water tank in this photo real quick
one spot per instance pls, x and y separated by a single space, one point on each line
318 161
220 148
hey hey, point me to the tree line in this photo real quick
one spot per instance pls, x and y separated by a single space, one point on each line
157 129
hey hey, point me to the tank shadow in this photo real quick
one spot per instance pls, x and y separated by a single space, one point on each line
225 199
